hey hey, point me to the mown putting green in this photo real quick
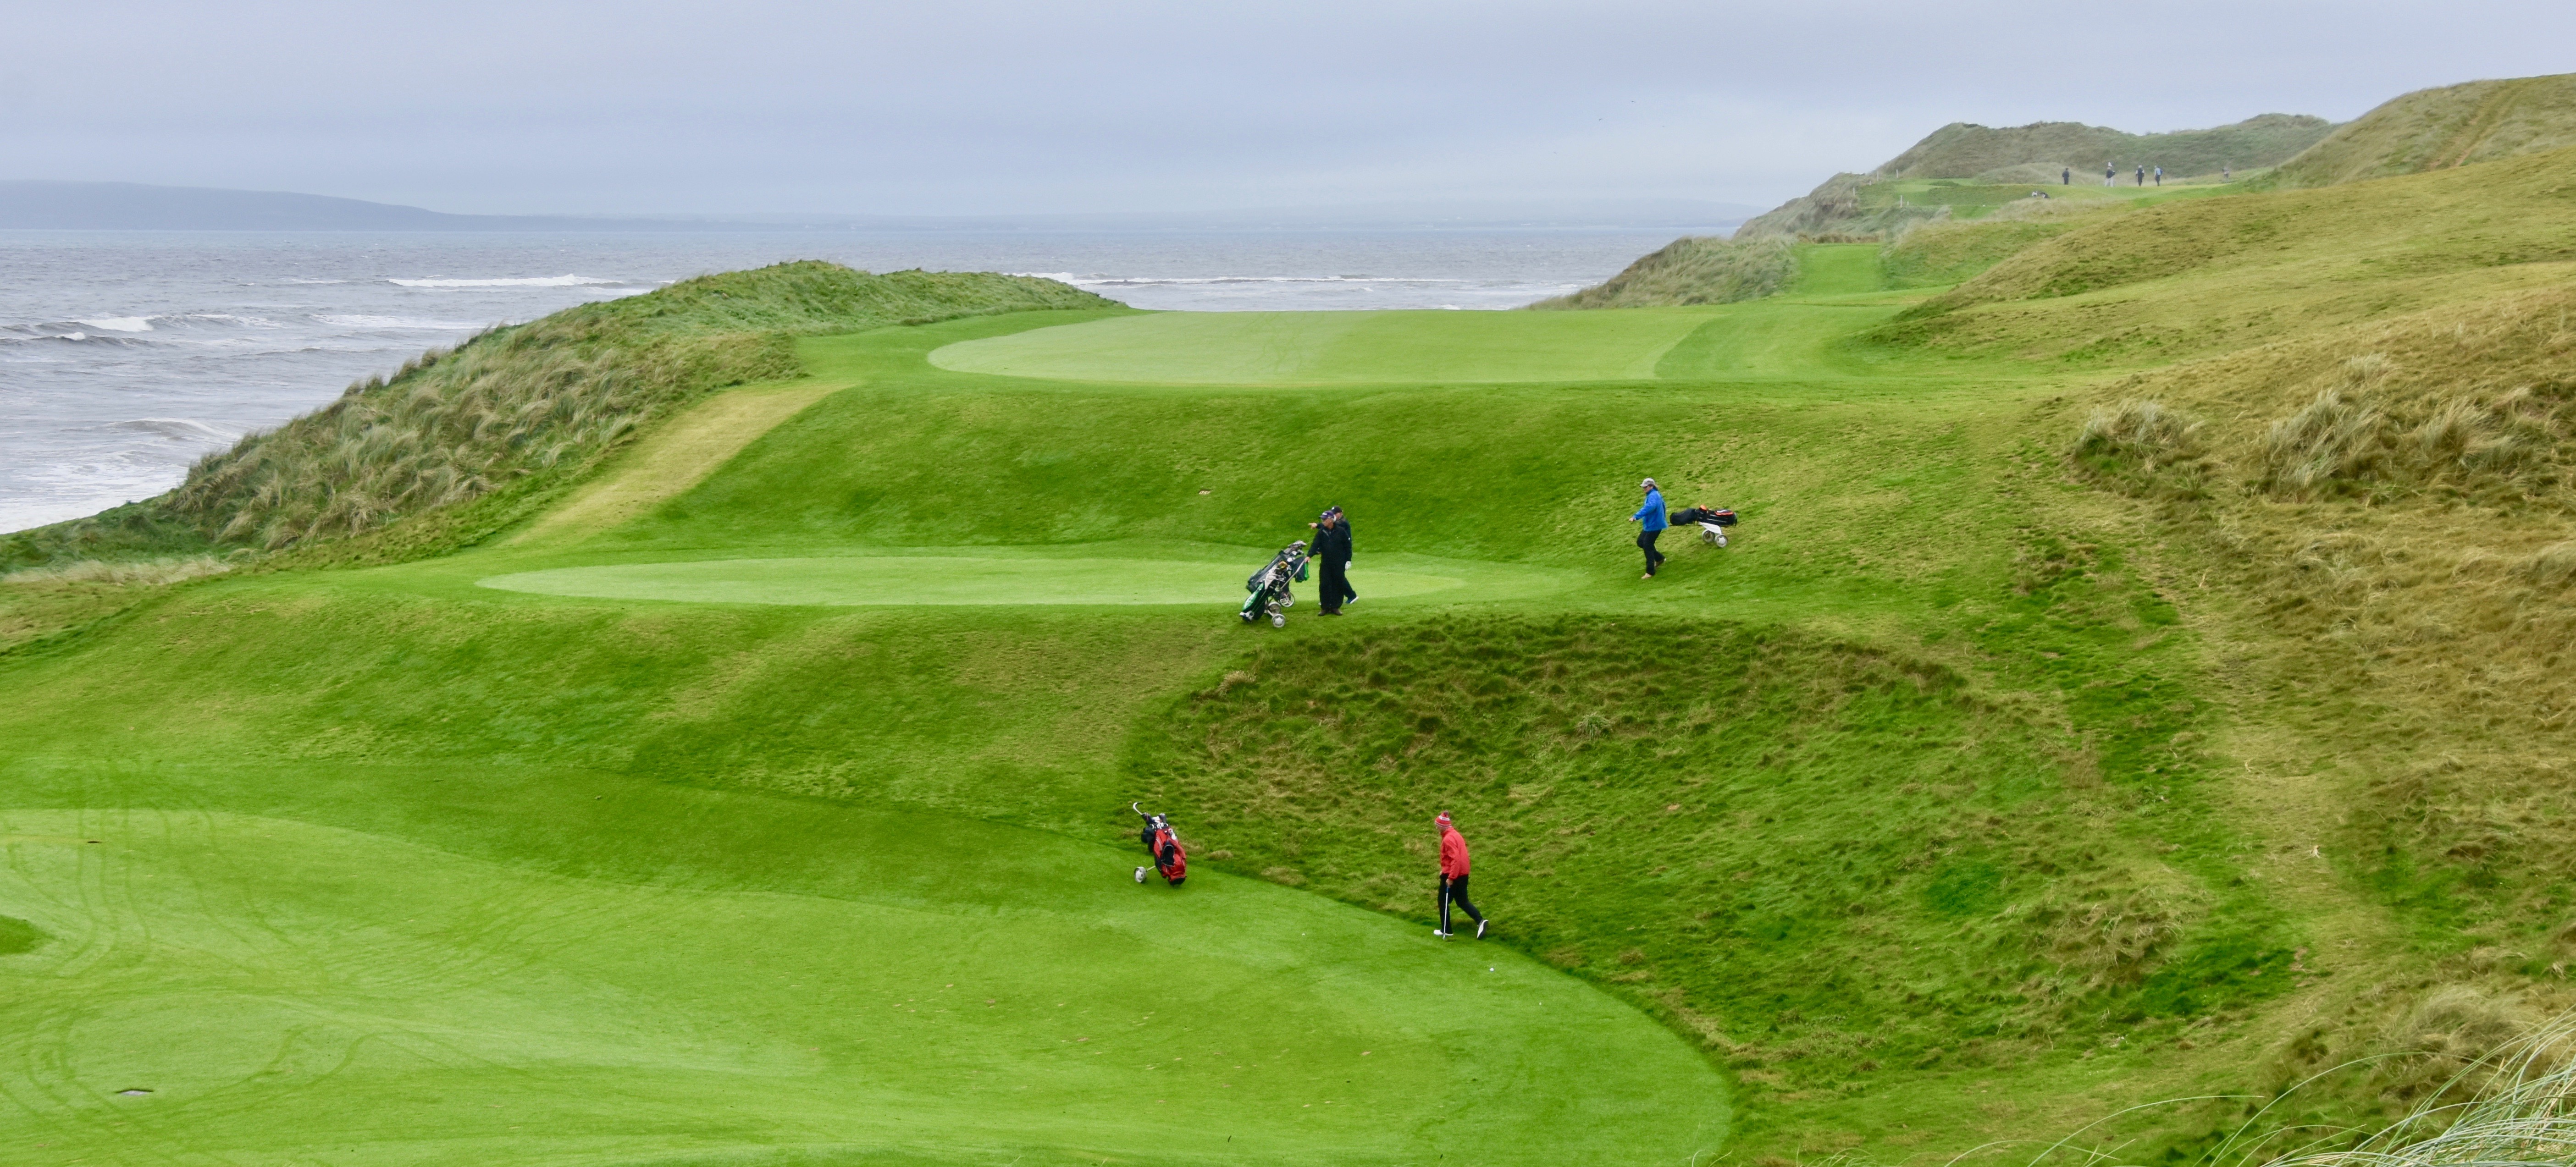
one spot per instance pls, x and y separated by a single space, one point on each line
887 579
220 985
1328 348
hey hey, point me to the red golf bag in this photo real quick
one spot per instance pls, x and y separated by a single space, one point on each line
1164 844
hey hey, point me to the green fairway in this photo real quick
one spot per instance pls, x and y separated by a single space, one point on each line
976 579
219 985
1334 348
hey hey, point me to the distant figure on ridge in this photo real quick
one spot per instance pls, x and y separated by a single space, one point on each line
1652 515
2160 176
1333 549
2066 177
2142 175
2226 174
2110 175
1453 880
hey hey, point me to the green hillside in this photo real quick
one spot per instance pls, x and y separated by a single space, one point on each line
1967 170
2435 129
2204 276
2137 688
1964 150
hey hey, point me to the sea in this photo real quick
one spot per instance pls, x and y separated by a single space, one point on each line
126 356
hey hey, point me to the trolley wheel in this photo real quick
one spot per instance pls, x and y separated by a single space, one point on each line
1712 538
1140 875
1278 620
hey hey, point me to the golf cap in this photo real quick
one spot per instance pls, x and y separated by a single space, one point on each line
1648 484
1443 820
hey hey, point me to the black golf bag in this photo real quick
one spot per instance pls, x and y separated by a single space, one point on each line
1270 586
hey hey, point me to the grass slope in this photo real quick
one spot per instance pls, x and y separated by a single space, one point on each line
1965 150
2435 129
2212 275
535 919
1691 270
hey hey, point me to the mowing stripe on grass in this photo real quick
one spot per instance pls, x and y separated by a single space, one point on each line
676 458
873 580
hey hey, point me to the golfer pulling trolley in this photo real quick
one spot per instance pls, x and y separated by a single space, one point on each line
1453 880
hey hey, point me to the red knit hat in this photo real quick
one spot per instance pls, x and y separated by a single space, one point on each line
1443 820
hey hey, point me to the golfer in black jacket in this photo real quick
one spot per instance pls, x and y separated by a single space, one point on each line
1332 550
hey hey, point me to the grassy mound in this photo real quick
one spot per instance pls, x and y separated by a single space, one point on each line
1691 270
2436 129
1973 168
1965 150
2213 275
1937 254
1841 870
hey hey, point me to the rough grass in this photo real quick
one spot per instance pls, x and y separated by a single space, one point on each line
1938 253
1691 270
2145 448
2436 129
2392 502
2203 276
1846 208
1839 870
519 403
1964 150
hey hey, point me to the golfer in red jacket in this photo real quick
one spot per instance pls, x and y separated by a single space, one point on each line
1453 880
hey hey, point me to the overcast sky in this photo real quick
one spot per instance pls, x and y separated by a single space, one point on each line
967 106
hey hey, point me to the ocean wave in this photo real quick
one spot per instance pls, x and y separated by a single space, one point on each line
120 323
526 282
399 322
178 428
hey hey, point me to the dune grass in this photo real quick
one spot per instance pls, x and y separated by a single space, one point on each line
2207 276
1691 270
2437 129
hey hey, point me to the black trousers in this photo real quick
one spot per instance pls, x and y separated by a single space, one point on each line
1337 587
1454 891
1646 543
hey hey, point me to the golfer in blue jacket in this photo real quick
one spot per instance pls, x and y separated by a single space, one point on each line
1652 515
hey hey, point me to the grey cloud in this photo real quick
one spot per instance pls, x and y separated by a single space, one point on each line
539 106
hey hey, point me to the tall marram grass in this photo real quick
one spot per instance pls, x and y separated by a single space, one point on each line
2356 434
2146 447
517 403
451 426
1692 270
2516 1106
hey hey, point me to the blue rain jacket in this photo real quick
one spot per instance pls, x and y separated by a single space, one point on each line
1653 511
